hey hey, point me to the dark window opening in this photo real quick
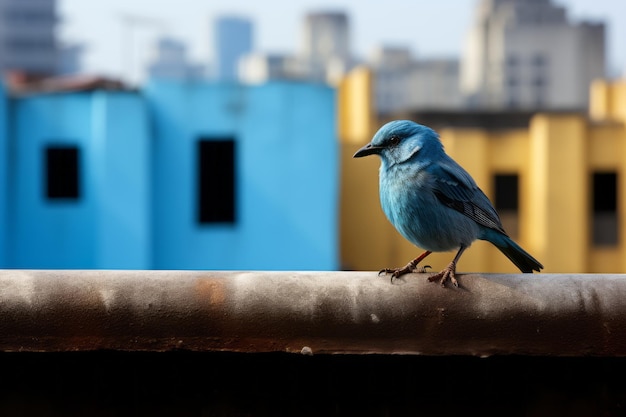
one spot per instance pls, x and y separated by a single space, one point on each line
604 222
507 202
539 60
507 193
216 180
511 61
62 172
539 82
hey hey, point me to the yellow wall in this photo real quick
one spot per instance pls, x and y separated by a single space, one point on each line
607 100
484 154
355 106
558 199
608 153
554 158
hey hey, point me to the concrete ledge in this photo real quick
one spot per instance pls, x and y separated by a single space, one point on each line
312 313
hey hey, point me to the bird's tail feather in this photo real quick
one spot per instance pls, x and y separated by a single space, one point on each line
522 259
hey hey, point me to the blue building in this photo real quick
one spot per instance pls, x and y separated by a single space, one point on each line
232 39
4 176
79 189
180 176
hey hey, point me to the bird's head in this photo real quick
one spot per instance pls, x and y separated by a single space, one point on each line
402 140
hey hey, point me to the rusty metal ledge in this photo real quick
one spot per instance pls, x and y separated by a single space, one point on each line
312 313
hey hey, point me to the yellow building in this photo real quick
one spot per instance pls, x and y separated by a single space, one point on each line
557 183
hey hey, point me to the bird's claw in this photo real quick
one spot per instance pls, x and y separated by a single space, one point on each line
443 276
398 272
395 273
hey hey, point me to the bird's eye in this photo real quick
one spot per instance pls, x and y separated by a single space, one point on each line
394 140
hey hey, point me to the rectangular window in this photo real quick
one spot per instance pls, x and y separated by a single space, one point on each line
604 222
539 82
507 202
511 61
539 100
539 60
216 180
62 172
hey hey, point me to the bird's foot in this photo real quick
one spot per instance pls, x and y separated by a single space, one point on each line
449 273
398 272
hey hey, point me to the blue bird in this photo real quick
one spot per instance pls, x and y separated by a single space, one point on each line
433 202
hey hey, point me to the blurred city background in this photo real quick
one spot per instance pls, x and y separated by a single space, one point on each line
179 135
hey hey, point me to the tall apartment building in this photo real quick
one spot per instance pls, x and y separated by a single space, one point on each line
232 39
527 54
27 38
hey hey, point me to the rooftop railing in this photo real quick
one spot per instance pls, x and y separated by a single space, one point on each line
312 313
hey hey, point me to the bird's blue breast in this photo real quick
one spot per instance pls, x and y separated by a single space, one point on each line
408 200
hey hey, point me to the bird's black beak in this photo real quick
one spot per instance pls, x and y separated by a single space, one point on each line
368 149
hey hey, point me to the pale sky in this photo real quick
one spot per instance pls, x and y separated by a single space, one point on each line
429 28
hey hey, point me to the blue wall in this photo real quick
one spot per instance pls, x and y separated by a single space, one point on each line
286 169
122 147
4 182
138 178
108 225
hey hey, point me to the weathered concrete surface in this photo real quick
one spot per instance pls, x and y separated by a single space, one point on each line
312 313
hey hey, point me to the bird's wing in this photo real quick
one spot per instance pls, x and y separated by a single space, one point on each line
456 189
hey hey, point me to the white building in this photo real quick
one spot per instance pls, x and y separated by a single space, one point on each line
434 85
392 68
324 54
526 54
27 36
257 68
403 83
